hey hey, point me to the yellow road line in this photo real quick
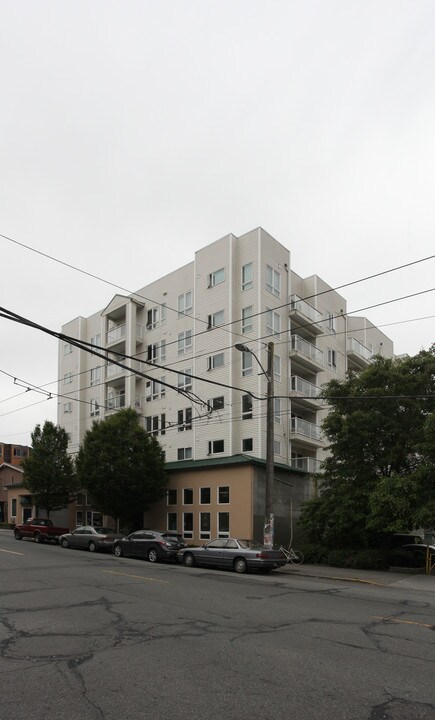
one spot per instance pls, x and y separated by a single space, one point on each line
137 577
12 552
404 622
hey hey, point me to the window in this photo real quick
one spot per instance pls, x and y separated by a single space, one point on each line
155 422
273 281
217 277
94 407
205 525
215 361
172 496
247 445
223 524
152 318
96 340
246 407
277 368
276 447
224 494
184 453
156 351
330 323
216 403
67 378
188 525
95 375
247 276
67 348
67 407
215 446
171 522
185 304
277 409
215 319
184 341
14 507
246 364
154 389
184 379
79 517
247 319
184 419
187 496
204 496
273 322
332 360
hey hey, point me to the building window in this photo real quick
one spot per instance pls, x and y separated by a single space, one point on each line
154 423
215 446
171 522
205 525
14 507
204 496
247 276
156 351
67 378
79 517
187 496
184 453
184 379
217 277
184 419
96 340
273 281
273 322
67 407
215 361
277 368
223 524
330 323
247 445
246 364
216 403
276 447
332 360
188 525
67 348
94 407
184 341
172 496
152 318
215 319
154 389
223 495
185 304
247 319
95 375
277 410
246 407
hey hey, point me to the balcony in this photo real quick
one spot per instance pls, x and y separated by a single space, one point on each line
116 334
113 371
305 354
306 464
304 392
139 334
115 403
305 432
306 315
358 355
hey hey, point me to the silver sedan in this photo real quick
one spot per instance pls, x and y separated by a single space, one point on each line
90 538
235 554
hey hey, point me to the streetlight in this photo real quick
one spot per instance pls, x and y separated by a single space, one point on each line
268 535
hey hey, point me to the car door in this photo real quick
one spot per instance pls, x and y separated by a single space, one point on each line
74 538
211 553
229 551
84 537
136 544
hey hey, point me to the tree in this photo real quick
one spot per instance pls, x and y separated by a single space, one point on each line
121 466
49 470
379 476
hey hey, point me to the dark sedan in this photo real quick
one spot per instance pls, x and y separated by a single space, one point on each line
238 555
90 538
149 544
412 555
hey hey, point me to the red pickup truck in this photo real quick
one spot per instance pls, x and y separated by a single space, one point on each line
41 529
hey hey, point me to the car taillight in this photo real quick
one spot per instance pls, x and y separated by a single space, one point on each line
263 555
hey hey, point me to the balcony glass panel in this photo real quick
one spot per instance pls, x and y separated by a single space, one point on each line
360 349
116 402
298 384
139 332
306 348
305 309
303 427
115 334
307 464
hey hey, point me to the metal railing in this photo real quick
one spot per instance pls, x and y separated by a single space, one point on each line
306 348
298 384
307 464
303 427
356 346
305 309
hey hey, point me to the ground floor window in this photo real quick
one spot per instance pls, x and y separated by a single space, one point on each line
205 525
172 521
223 524
188 525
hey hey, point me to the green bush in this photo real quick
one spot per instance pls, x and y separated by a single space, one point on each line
400 558
359 559
314 554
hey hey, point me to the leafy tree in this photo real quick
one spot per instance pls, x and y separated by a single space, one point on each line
49 470
121 466
379 476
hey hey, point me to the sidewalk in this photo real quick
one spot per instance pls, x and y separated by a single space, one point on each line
382 578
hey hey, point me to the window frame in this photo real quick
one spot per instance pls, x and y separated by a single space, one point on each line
247 284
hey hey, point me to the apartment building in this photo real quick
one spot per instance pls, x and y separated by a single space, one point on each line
192 388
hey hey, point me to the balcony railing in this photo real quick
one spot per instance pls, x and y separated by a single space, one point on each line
303 427
307 464
116 334
138 402
113 370
307 349
139 333
305 309
357 347
304 387
116 402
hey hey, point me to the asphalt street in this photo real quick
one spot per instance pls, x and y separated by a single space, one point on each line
90 636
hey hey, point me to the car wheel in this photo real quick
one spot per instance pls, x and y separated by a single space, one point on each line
240 565
152 555
92 546
118 551
18 535
38 538
64 543
188 560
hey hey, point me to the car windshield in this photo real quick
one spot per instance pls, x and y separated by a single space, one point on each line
250 544
104 530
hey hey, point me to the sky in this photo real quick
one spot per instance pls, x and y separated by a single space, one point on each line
135 132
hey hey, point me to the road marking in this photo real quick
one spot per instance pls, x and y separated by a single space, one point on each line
12 552
138 577
404 622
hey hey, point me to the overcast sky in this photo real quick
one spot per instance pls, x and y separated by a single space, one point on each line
135 132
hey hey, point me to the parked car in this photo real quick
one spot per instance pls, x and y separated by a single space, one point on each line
411 555
90 538
149 544
239 555
41 529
